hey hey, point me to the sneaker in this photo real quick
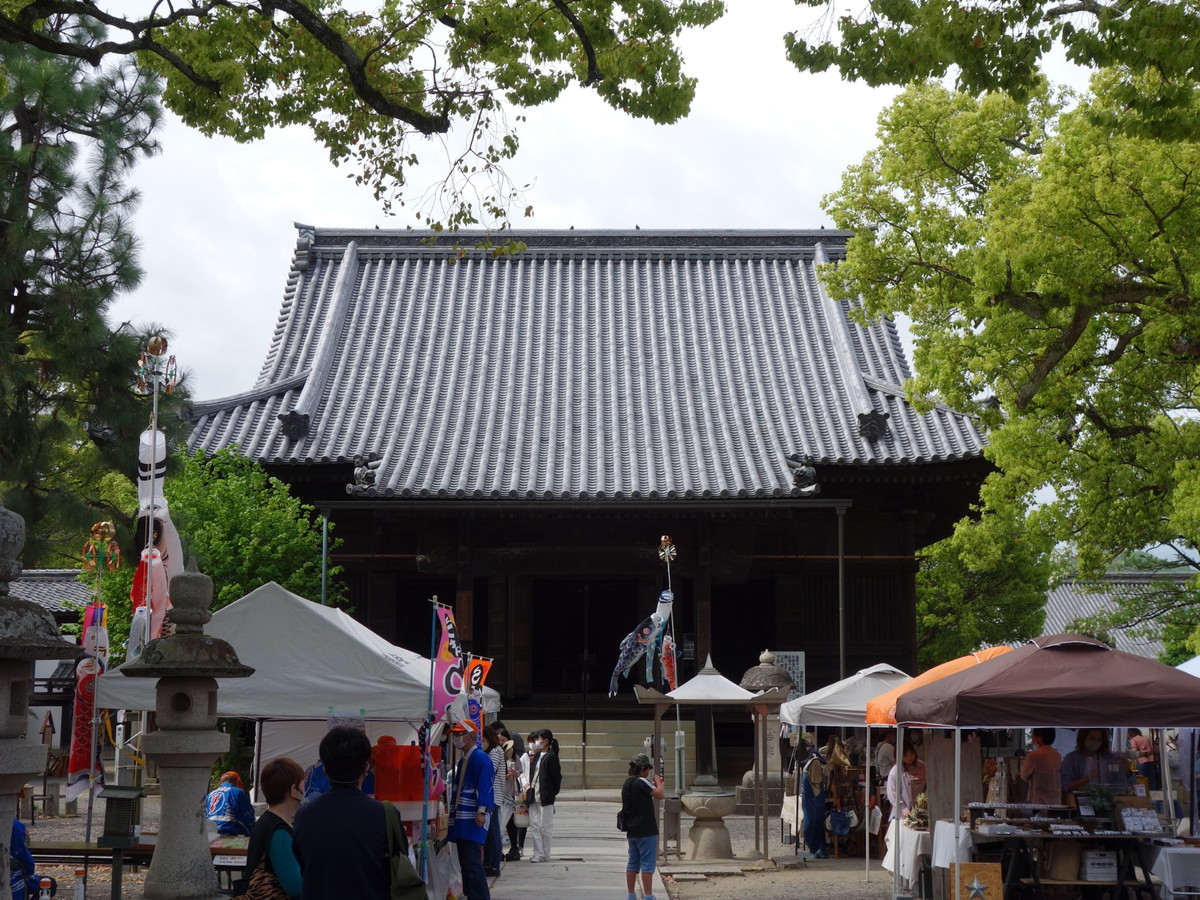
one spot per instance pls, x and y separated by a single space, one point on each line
490 872
512 855
648 897
631 897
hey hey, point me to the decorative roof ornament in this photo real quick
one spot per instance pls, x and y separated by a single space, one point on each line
366 468
804 476
873 425
294 425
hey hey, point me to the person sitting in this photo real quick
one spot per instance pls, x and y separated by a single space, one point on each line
23 880
282 783
1092 762
229 806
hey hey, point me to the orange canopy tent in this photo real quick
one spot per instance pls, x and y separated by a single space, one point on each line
882 709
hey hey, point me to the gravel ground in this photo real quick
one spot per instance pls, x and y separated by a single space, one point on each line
820 879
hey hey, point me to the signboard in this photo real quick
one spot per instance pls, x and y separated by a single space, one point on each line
792 661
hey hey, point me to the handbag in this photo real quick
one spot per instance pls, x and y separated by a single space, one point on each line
406 883
620 820
263 885
521 814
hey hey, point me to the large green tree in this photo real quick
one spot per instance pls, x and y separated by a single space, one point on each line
243 528
1047 262
69 135
984 585
1002 45
372 82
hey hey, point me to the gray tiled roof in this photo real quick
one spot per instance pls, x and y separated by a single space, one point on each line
592 365
58 590
1074 600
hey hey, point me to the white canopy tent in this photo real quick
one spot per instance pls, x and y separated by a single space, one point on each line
1191 666
843 704
307 659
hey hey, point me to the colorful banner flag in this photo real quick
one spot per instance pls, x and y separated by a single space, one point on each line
477 671
448 665
85 759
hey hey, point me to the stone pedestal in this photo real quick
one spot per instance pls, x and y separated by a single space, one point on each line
27 633
708 837
187 743
182 866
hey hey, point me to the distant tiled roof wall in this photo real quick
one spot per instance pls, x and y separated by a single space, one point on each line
1074 600
592 365
58 590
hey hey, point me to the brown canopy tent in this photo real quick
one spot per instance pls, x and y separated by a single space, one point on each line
1064 680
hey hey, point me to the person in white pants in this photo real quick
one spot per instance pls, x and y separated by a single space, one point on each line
545 779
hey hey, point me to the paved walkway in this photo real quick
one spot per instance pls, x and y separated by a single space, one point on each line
587 856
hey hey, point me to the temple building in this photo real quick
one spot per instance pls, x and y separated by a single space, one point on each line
515 432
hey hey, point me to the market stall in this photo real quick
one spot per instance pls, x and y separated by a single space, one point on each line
842 704
1062 680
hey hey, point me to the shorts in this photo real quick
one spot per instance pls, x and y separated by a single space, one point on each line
643 853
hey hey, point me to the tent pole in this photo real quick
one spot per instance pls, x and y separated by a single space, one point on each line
871 776
895 822
957 803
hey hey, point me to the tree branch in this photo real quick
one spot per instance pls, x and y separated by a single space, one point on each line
594 73
1054 354
22 30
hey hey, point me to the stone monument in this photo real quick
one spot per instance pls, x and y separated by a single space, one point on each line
187 665
765 676
27 633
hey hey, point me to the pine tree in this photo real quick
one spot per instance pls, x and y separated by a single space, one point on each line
69 134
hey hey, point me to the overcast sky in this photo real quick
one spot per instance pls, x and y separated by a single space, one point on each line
762 145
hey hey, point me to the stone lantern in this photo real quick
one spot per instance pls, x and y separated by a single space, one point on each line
27 633
765 676
187 665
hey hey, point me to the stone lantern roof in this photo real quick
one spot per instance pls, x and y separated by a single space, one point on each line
27 631
766 675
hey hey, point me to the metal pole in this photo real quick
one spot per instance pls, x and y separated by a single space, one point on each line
324 557
841 575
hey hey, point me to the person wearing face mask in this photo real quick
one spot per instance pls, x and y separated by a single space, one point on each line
1092 762
471 803
545 783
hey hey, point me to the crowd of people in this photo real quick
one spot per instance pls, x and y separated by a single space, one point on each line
323 835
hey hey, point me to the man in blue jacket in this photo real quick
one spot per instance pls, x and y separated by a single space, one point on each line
230 807
470 807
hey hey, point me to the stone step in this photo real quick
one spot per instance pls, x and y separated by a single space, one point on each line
610 744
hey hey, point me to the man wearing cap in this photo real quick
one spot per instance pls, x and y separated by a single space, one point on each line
470 807
638 794
229 806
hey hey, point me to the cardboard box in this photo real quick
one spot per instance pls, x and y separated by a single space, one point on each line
1060 860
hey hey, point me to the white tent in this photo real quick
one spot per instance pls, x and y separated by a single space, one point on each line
307 658
843 703
1191 666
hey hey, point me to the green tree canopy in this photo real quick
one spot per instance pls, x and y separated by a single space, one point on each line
69 135
242 526
984 585
371 82
1001 45
1047 263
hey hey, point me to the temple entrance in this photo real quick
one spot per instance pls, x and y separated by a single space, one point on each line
570 615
